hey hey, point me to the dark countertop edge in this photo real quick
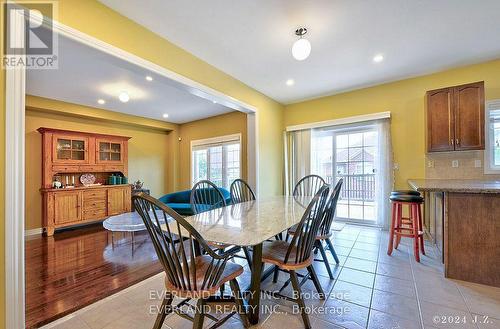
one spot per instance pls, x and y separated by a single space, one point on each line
475 190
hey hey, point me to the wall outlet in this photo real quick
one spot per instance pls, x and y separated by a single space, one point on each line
477 164
395 166
454 163
430 164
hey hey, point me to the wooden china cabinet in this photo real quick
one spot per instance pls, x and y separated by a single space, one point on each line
66 155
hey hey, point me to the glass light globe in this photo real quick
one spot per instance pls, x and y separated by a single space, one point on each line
301 49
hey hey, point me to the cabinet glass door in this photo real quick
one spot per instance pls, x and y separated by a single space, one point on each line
110 151
68 149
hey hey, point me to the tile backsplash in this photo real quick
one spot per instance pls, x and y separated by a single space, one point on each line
440 166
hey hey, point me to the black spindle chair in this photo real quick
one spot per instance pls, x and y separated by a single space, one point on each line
206 196
324 231
188 273
297 254
241 191
308 185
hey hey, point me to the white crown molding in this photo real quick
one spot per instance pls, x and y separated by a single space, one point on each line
341 121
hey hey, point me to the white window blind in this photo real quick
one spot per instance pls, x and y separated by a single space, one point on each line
216 159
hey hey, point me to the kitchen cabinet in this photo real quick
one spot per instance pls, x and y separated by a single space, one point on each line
455 118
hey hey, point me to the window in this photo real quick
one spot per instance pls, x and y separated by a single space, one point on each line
216 159
492 153
349 154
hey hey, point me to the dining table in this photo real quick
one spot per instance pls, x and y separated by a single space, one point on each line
250 224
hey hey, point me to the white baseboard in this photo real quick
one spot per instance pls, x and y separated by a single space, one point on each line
35 231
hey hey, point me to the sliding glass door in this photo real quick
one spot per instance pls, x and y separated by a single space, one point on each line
350 154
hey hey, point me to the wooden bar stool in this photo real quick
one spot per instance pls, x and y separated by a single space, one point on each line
410 226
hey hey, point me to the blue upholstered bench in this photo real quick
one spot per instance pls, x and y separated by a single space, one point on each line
179 201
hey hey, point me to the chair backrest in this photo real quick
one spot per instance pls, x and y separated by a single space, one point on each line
305 234
206 196
308 185
330 207
173 239
241 191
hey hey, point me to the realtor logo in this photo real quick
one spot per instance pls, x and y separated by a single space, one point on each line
30 39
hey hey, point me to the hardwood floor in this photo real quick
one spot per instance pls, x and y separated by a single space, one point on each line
74 268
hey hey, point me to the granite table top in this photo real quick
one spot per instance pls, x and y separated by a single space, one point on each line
249 223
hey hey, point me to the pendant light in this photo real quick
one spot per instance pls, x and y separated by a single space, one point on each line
302 47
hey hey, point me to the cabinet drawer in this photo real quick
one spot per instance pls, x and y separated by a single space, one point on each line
91 204
94 214
94 195
62 168
113 168
91 168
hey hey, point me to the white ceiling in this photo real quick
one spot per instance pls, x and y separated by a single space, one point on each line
251 40
85 75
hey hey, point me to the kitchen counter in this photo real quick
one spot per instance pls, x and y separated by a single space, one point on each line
455 185
461 217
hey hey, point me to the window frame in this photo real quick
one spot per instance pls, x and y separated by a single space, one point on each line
489 167
210 142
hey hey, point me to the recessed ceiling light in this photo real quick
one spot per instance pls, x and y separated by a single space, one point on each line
290 82
378 58
165 115
149 78
215 102
101 101
123 97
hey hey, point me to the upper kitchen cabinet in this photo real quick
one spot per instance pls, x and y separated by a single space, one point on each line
455 118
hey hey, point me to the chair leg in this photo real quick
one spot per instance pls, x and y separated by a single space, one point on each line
421 228
416 250
287 236
319 245
399 223
248 257
332 250
164 310
276 274
238 298
300 301
198 315
316 282
391 232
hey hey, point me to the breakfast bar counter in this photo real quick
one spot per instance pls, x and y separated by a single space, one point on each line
462 217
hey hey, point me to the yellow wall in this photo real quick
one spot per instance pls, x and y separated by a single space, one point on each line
155 157
148 149
405 100
226 124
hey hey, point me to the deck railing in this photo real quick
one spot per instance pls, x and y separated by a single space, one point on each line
356 187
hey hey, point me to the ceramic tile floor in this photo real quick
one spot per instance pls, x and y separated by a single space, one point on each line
371 290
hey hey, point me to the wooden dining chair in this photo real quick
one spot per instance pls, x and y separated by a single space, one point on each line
308 186
241 191
297 254
324 231
206 196
189 275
